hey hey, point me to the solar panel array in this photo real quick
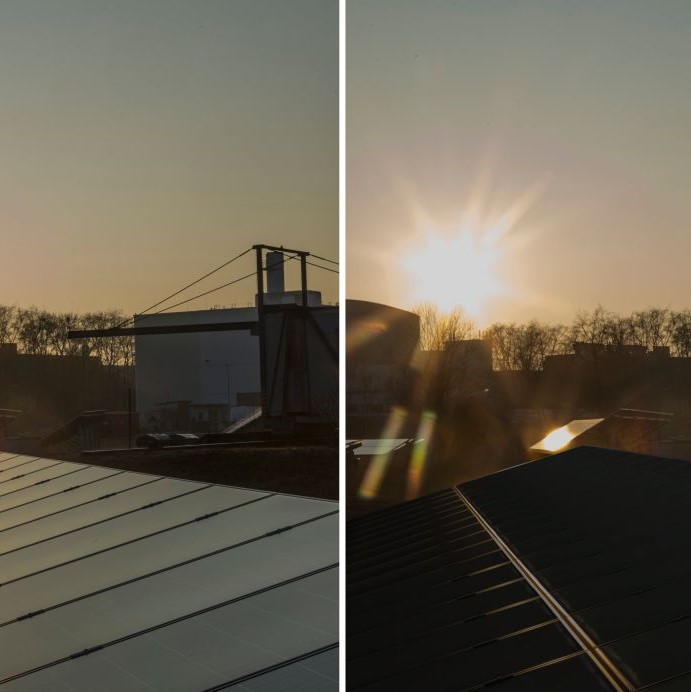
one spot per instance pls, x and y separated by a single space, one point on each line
609 534
569 573
114 580
433 603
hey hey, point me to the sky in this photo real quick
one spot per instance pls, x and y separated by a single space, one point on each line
144 143
521 159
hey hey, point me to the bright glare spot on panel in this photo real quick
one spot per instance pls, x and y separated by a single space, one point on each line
557 439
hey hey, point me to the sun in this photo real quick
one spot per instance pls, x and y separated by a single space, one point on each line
459 269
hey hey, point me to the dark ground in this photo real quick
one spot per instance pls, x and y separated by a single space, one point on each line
311 470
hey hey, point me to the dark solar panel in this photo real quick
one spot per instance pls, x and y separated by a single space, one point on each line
608 534
433 603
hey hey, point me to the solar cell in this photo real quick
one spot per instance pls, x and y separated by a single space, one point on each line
27 467
318 673
13 462
91 487
615 552
109 506
434 601
377 446
51 488
212 647
167 595
147 520
115 580
36 477
112 567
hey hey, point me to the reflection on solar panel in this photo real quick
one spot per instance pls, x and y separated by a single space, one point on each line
570 573
559 438
114 580
372 447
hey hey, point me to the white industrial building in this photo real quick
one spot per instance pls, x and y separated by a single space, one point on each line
204 380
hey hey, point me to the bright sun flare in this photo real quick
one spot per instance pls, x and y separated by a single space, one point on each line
459 270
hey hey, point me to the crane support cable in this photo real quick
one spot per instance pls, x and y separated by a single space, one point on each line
212 290
319 266
323 259
194 283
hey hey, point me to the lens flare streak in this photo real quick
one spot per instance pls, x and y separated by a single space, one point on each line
369 488
418 458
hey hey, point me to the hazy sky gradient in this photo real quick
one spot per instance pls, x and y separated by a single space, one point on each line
142 143
587 102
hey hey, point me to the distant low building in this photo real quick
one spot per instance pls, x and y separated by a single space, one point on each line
51 389
381 344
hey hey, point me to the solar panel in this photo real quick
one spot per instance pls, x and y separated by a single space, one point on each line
216 645
132 560
372 447
70 494
13 461
147 520
35 476
434 602
318 673
25 468
55 486
607 533
109 506
168 584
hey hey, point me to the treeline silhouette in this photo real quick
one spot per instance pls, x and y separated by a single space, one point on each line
525 346
41 332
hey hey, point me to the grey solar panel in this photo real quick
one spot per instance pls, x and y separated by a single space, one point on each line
110 505
129 581
378 446
318 673
54 486
112 567
165 596
13 462
212 647
147 520
26 468
93 486
35 477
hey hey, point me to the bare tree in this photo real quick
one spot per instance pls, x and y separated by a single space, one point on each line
438 328
596 327
60 325
33 329
652 328
112 351
7 324
525 346
680 328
